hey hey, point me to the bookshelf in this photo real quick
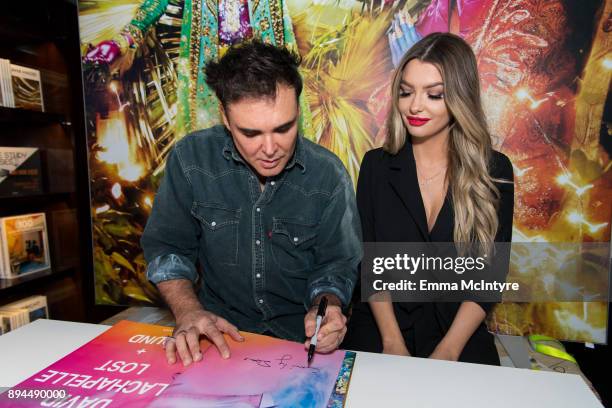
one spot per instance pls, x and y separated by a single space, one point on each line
43 35
23 116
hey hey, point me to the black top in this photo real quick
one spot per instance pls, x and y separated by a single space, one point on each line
391 210
391 207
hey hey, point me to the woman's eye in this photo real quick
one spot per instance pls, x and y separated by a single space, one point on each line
403 94
438 96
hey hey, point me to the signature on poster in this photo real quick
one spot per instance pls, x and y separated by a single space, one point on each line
282 363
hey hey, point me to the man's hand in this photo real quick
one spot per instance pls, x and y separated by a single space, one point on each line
333 326
193 324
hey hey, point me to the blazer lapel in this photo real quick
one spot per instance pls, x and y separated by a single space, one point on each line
403 179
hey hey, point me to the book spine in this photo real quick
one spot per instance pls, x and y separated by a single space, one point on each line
5 100
7 81
3 270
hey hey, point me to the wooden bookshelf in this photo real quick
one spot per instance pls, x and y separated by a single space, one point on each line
44 36
22 282
23 116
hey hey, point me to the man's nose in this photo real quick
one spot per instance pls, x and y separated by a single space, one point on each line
269 145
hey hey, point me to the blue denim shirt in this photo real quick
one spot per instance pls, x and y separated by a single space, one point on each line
263 256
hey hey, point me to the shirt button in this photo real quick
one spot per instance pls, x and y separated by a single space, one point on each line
258 242
260 301
213 223
258 275
295 239
272 182
258 209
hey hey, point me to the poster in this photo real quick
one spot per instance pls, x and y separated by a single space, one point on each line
545 70
126 367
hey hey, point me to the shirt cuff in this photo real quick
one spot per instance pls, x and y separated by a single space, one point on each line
324 287
169 267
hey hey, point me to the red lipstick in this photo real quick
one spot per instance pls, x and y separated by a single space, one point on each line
417 121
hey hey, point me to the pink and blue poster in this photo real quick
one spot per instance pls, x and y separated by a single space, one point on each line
126 367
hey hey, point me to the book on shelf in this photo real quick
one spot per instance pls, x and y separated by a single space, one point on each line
4 101
11 319
24 245
27 88
6 84
20 171
36 306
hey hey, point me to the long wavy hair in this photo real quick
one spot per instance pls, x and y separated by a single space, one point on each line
475 197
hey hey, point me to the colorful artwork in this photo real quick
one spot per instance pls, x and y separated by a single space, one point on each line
126 367
545 72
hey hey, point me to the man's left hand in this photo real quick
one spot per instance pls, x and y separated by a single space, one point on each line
333 326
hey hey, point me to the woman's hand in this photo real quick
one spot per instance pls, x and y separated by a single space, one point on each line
442 352
397 348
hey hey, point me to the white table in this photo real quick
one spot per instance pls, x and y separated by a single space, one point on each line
377 381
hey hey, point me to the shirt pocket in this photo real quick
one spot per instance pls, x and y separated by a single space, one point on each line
293 243
220 230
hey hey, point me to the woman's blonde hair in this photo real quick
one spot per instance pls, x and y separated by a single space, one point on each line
475 197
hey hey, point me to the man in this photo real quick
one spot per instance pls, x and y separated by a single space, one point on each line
269 217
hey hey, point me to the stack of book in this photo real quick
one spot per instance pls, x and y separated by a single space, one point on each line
22 312
24 246
20 87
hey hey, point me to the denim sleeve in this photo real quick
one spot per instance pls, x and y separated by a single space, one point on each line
338 249
171 236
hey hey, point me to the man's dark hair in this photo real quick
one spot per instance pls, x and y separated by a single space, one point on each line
253 70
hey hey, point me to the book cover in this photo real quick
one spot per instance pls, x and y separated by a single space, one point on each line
24 244
126 367
20 171
36 307
27 88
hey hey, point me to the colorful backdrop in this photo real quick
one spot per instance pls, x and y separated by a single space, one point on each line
545 70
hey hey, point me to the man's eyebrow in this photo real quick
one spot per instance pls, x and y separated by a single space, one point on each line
276 129
285 125
426 86
246 130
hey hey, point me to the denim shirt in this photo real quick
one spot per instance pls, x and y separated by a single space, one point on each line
261 256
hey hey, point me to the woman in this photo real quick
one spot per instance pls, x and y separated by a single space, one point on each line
436 179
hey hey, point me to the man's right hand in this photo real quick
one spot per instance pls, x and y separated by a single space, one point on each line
190 326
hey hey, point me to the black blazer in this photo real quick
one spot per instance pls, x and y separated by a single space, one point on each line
391 210
390 204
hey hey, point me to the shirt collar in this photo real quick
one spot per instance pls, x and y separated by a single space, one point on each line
298 155
230 152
